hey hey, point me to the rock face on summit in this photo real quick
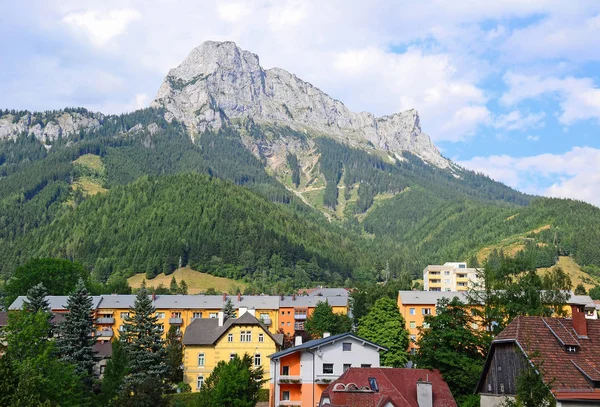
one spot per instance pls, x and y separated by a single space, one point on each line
219 82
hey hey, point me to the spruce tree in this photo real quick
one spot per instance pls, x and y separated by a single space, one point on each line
144 346
173 287
114 375
36 299
75 342
174 351
228 310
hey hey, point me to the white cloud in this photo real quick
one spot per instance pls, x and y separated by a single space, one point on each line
515 120
102 27
232 12
574 174
533 138
579 98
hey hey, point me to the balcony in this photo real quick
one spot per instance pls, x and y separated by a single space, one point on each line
290 403
105 321
266 321
104 333
289 380
301 317
176 321
326 378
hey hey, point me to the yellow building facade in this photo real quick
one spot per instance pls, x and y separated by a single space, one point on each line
209 341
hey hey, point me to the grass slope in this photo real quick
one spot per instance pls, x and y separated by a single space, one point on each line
197 282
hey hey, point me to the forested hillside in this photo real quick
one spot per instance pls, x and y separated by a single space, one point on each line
393 215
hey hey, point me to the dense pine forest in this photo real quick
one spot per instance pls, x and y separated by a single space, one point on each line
166 200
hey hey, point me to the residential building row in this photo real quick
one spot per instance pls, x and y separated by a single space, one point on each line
414 306
278 313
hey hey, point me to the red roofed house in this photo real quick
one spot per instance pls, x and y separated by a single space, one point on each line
387 387
568 349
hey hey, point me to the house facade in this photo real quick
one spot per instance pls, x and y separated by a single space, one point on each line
565 351
301 373
449 277
208 341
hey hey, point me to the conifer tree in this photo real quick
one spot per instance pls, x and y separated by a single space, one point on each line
144 346
174 356
114 375
75 342
36 299
228 310
173 287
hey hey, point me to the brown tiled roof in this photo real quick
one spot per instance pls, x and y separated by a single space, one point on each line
206 331
3 318
398 386
544 341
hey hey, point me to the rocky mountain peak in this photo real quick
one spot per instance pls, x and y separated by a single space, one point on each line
219 82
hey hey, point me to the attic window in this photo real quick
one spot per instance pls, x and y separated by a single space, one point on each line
373 384
571 349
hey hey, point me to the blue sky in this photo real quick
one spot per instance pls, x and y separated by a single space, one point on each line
507 88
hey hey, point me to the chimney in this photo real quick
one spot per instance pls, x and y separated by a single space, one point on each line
281 297
221 318
579 321
298 340
239 297
293 297
326 335
224 296
153 296
424 394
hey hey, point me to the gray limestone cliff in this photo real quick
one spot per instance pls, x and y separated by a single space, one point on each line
219 82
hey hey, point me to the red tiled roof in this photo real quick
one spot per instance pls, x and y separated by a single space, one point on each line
544 340
396 385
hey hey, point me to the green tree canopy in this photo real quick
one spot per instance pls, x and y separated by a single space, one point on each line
174 356
58 276
385 326
449 343
323 319
114 374
232 384
580 289
228 309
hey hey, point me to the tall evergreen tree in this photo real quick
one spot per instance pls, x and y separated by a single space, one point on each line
75 341
144 347
174 356
228 309
36 299
114 375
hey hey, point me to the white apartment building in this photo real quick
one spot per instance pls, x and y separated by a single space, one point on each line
451 276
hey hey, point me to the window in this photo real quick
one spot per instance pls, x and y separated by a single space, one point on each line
327 368
175 314
412 311
200 382
285 395
347 366
446 281
283 324
285 370
197 315
474 325
425 325
289 312
121 328
246 336
282 312
288 324
264 316
124 315
413 351
426 311
571 349
212 315
261 338
230 338
413 324
413 338
160 315
257 361
373 384
161 327
501 387
201 359
177 330
446 273
365 365
232 356
346 346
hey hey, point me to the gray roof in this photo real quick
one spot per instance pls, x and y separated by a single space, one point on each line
326 292
206 331
429 297
56 302
117 301
312 301
315 343
216 301
581 300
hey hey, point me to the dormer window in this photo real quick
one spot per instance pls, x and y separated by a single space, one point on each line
571 349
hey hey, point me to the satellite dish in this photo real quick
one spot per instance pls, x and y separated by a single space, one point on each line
319 353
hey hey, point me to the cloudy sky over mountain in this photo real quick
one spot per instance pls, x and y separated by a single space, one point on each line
508 88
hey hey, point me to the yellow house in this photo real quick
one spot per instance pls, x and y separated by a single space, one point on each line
210 340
